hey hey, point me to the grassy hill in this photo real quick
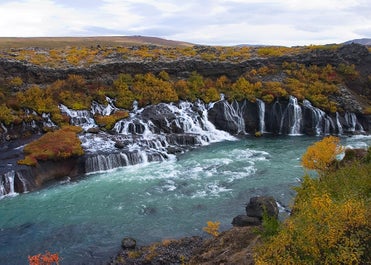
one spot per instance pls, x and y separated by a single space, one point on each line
61 42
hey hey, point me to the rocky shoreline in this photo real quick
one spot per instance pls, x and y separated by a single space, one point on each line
234 246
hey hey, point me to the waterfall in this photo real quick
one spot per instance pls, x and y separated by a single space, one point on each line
192 119
100 109
23 180
2 186
338 124
134 126
321 122
102 162
7 184
352 123
234 114
82 118
153 133
261 106
3 127
292 117
47 122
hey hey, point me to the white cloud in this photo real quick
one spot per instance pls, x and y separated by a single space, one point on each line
290 22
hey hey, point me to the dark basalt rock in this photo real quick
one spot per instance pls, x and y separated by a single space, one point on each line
257 206
128 243
244 220
255 210
119 145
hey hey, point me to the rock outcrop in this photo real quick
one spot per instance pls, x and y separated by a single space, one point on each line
255 209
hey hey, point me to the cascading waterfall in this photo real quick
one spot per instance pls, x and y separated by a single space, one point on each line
82 118
23 180
338 124
261 106
321 122
293 117
100 162
234 114
13 182
148 135
47 122
7 184
3 191
156 132
352 123
100 109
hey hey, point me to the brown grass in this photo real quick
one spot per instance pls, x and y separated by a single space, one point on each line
112 41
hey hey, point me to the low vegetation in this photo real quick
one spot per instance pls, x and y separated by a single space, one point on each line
44 259
212 228
57 145
330 221
317 84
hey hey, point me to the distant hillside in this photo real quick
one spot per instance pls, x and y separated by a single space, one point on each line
61 42
364 41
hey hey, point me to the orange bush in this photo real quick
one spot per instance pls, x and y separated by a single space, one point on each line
57 145
44 259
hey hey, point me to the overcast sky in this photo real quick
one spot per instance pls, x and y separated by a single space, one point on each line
214 22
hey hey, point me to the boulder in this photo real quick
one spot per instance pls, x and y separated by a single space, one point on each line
257 206
119 145
244 220
128 243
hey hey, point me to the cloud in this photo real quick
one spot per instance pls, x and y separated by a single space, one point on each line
221 22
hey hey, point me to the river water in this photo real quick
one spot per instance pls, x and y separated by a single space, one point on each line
85 220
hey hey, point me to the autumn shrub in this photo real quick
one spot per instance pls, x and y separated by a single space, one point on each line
57 145
37 99
6 115
212 228
348 71
44 259
121 91
149 89
322 154
273 51
15 81
330 221
108 121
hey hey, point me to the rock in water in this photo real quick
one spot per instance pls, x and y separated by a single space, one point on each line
128 243
257 206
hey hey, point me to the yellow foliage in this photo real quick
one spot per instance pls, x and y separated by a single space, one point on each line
109 121
16 81
6 114
320 155
212 228
149 89
330 221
